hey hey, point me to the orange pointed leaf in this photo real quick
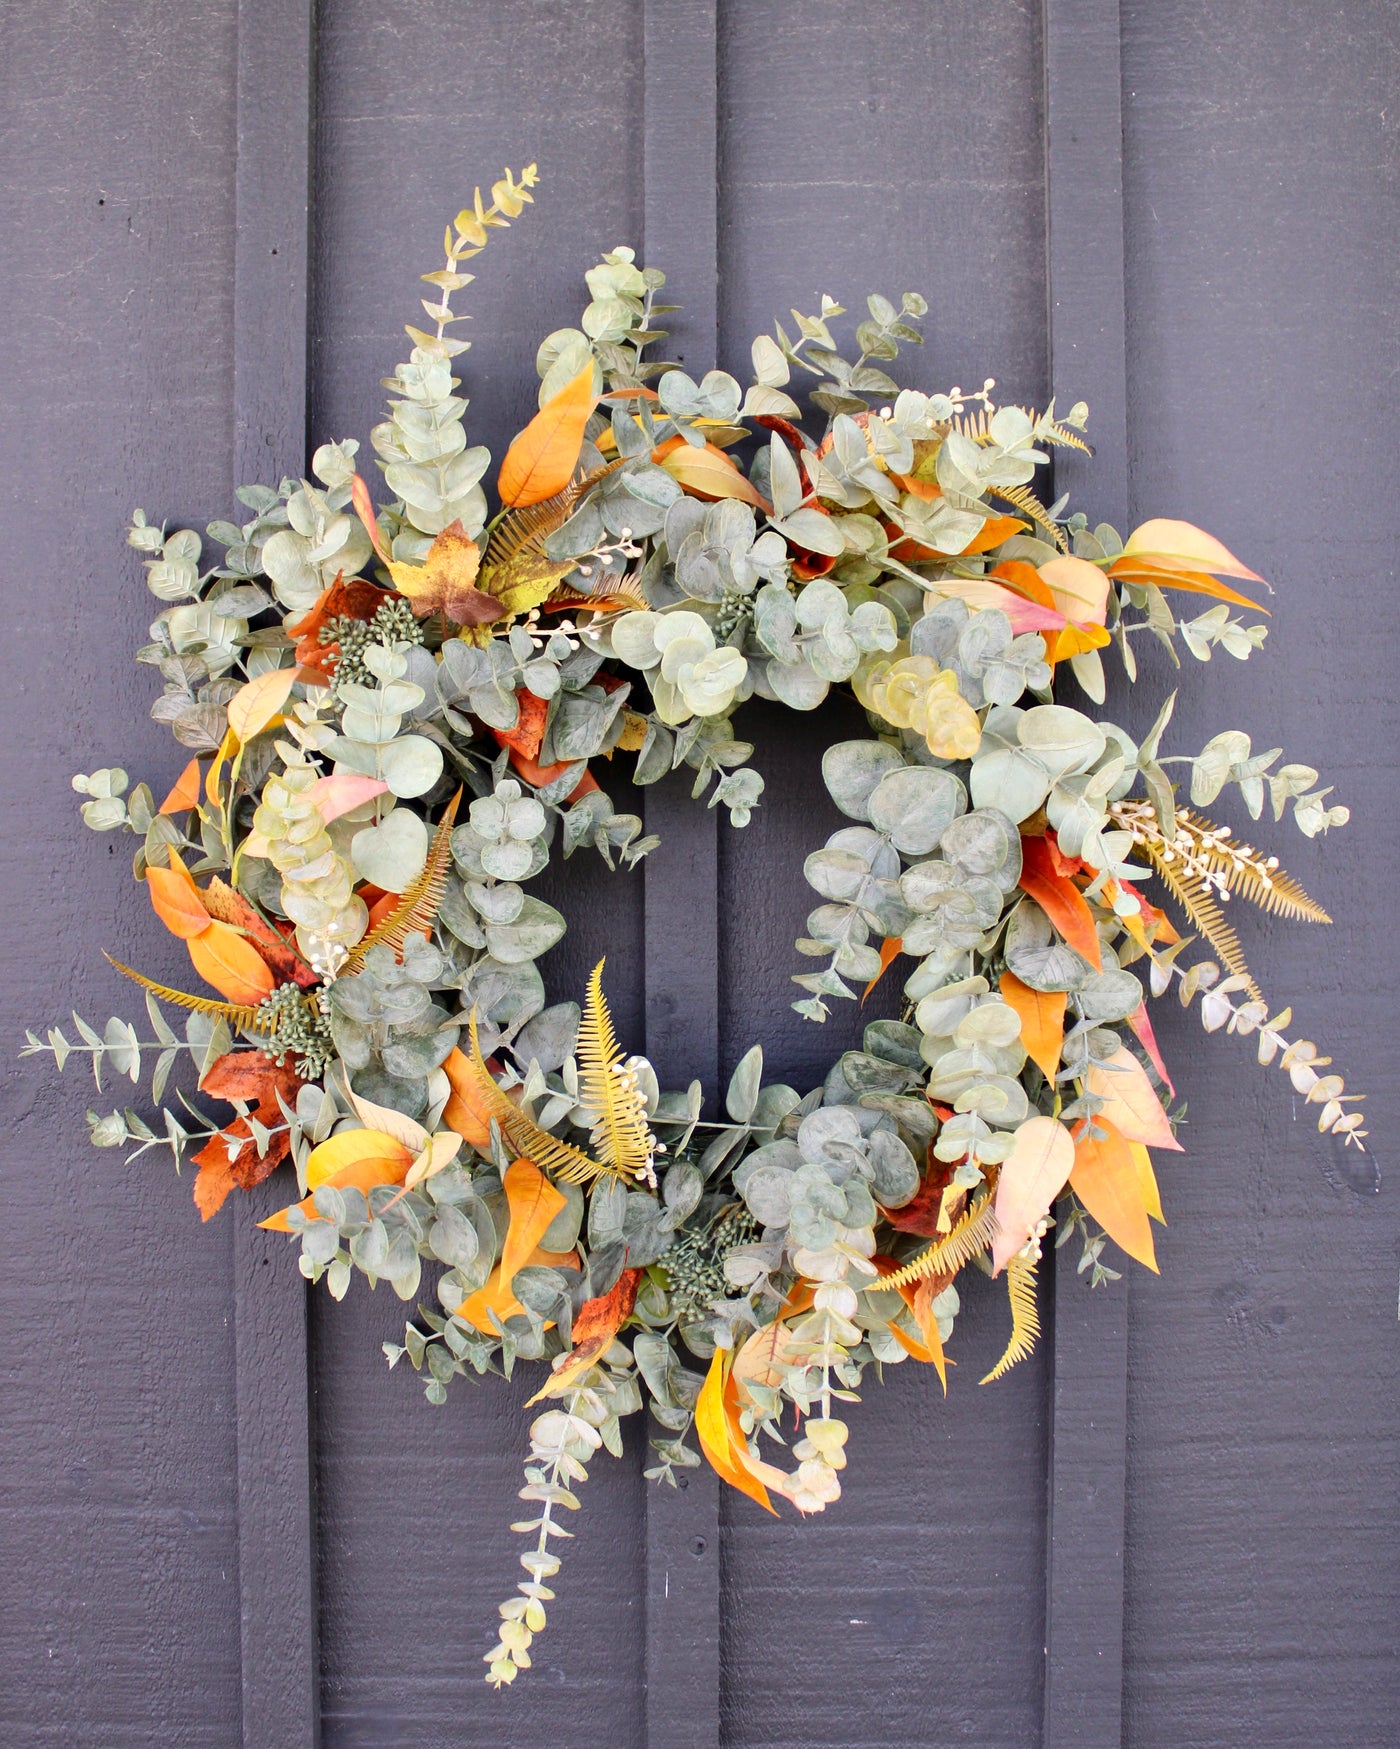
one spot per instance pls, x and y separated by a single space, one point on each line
713 1428
463 1111
533 1203
542 459
890 949
1131 1105
231 963
1105 1179
1042 1021
1060 900
1168 576
185 794
175 900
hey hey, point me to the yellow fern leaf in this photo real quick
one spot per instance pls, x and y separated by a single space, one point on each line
1200 905
547 1151
248 1016
1025 1316
417 906
972 1234
1245 872
1029 505
609 1090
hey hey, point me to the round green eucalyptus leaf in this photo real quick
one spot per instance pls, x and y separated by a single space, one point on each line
535 930
411 765
914 807
1011 780
852 769
1037 956
985 842
796 685
1063 740
896 1173
391 854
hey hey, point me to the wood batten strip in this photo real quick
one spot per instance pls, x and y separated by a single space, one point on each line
681 925
1089 1366
276 1476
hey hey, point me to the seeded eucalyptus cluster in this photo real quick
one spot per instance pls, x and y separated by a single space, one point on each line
402 713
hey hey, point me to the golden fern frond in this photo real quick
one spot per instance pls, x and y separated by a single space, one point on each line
521 533
1029 505
972 1234
1198 901
609 1089
418 904
1243 871
1025 1316
245 1015
547 1151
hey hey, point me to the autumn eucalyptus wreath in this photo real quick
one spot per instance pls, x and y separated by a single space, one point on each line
399 714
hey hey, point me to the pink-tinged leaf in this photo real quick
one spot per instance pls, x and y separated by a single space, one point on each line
1025 616
342 792
1167 543
1141 1023
1132 1107
1079 588
1032 1175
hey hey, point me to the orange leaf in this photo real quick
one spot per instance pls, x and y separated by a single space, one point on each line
597 1323
231 963
1166 542
462 1111
498 1298
176 899
533 1203
1168 576
1080 590
1151 1195
1042 1021
1060 900
542 459
890 949
538 775
361 1175
995 530
1105 1179
716 1440
708 473
253 1076
528 732
364 509
1132 1107
1032 1175
185 794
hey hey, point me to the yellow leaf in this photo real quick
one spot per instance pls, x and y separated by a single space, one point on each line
1032 1175
614 1099
1169 543
362 1175
1132 1107
1151 1195
254 706
525 580
228 747
352 1148
439 1153
1105 1179
542 459
1042 1022
709 473
405 1130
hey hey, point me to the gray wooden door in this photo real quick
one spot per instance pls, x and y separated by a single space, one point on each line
225 1521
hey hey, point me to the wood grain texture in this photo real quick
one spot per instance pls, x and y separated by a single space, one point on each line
1264 1422
118 1493
276 1547
1089 1328
680 150
888 147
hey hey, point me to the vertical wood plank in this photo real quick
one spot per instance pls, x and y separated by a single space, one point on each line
1089 1377
681 892
276 1551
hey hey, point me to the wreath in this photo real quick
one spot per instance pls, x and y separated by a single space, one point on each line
399 715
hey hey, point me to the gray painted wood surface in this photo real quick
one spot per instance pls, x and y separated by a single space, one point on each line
899 140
